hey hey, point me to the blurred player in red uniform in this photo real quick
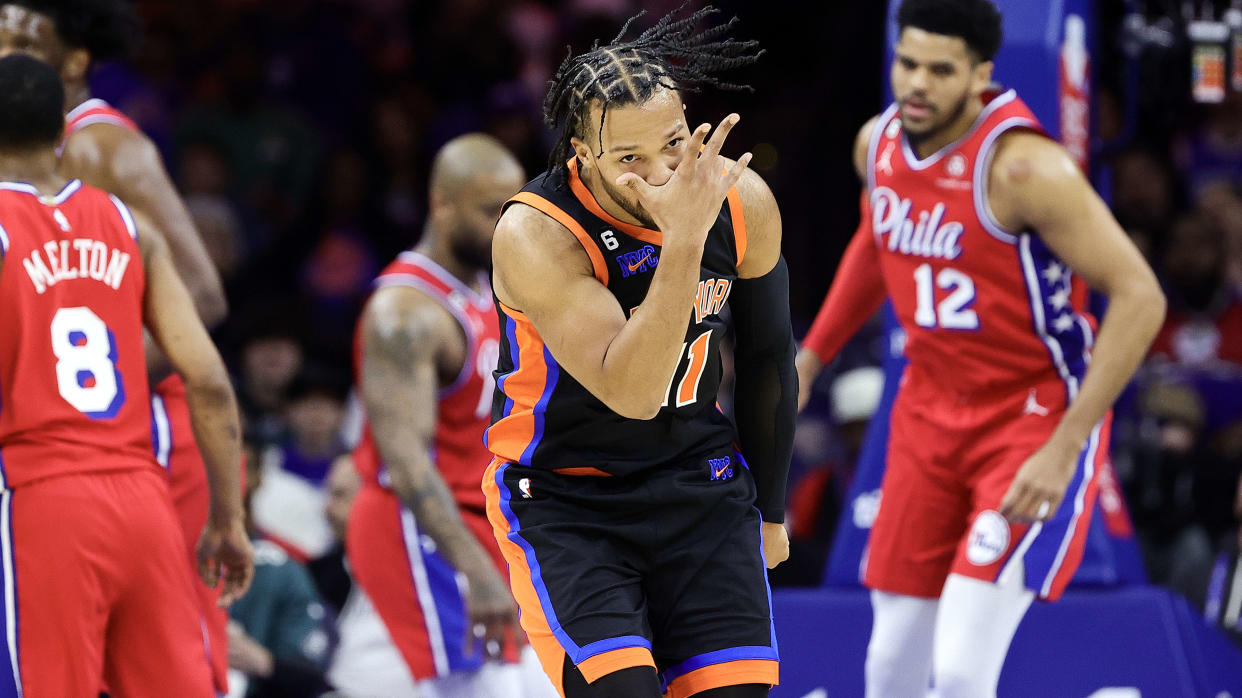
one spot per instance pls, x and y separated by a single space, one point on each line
426 347
984 234
103 148
95 589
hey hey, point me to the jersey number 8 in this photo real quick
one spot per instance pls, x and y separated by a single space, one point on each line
86 372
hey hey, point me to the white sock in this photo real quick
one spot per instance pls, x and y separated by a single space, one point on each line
975 625
899 655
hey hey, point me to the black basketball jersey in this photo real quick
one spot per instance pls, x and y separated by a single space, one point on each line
543 417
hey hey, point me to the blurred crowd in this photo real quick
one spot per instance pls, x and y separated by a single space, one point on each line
300 136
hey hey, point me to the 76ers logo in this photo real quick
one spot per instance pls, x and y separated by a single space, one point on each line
930 236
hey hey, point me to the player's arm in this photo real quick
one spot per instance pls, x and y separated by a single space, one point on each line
402 333
1034 184
169 317
856 293
766 383
128 164
542 271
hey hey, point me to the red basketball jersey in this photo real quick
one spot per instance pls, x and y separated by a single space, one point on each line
465 406
986 310
73 380
95 111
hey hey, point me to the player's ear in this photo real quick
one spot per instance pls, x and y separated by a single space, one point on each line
75 65
981 77
581 151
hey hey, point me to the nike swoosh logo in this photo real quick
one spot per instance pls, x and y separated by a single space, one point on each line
721 471
640 262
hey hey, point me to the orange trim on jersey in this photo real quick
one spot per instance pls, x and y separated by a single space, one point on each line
549 651
588 199
739 223
553 211
585 470
510 436
734 673
592 668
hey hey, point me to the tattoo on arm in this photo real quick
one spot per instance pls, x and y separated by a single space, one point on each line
400 390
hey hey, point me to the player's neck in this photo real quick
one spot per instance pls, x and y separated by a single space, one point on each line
35 167
75 95
951 131
432 248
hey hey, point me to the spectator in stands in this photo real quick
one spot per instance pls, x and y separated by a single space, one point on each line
328 570
279 640
1204 323
289 505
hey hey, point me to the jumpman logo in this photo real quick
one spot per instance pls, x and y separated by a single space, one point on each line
1033 406
885 164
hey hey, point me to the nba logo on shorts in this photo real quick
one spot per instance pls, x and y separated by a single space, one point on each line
720 468
989 538
524 487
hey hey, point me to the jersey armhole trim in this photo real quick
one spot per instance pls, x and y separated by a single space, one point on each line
738 216
126 217
549 209
873 143
983 169
4 242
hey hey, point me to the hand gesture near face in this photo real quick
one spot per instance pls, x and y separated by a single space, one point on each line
685 207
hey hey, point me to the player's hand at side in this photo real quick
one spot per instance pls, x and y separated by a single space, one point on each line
689 202
492 614
1040 484
775 543
224 552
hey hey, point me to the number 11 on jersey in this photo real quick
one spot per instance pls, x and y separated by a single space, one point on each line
688 388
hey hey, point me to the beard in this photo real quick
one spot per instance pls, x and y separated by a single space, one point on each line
622 195
953 114
470 251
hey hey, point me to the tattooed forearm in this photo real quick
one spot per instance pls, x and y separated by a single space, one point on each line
400 391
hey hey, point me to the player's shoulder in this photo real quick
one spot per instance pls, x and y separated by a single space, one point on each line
107 150
862 141
527 234
409 312
1023 157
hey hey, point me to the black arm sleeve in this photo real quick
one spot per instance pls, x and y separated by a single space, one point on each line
765 398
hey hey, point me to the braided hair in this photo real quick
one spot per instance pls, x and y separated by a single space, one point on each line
669 55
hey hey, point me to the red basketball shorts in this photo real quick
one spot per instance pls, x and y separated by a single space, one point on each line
96 591
950 463
413 588
175 448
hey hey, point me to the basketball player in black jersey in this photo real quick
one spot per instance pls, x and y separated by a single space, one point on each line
635 531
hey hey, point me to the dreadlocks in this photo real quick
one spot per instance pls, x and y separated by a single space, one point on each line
668 55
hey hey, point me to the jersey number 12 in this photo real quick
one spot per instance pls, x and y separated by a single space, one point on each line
954 312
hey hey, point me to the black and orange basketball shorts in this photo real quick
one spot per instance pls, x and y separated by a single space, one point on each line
662 568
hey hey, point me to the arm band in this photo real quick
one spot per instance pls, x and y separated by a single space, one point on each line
766 393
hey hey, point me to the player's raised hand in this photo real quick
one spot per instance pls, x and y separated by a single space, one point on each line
686 206
224 552
1040 484
491 613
